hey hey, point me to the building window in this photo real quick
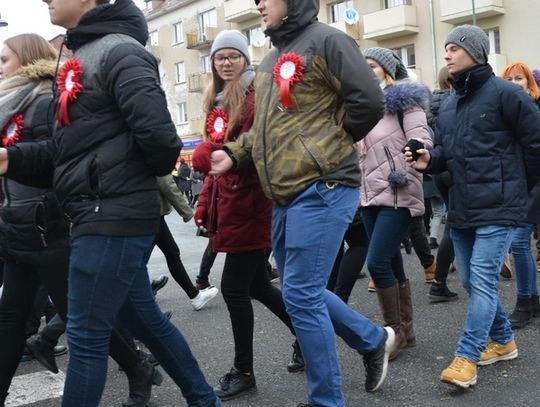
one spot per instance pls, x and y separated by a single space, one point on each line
154 38
395 3
336 11
407 55
207 19
181 113
494 41
178 33
180 72
255 36
206 64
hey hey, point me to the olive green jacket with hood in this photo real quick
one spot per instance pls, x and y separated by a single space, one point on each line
335 103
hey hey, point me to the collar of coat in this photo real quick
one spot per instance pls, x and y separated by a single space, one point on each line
406 95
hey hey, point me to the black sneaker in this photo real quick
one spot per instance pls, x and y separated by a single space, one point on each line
376 361
158 284
439 292
522 314
297 361
44 351
235 384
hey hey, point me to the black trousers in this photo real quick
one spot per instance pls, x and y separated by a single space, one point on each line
245 277
419 240
166 243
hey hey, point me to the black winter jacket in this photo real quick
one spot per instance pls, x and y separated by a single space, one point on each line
488 137
103 165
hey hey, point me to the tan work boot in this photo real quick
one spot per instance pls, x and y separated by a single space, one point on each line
496 352
371 286
460 373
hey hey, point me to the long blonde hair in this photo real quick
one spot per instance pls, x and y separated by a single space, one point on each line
30 47
234 97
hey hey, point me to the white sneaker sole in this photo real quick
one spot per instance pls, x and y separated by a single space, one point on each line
508 356
460 384
388 349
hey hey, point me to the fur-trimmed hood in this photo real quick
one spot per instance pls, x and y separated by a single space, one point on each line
406 95
39 70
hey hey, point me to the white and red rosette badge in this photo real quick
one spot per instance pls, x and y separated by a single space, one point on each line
287 72
217 124
69 86
11 133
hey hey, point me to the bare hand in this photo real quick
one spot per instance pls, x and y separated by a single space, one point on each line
423 159
3 161
221 162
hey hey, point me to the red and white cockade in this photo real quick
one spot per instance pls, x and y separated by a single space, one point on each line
69 86
287 72
11 133
217 124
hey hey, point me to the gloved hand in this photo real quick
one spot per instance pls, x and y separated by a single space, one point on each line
202 155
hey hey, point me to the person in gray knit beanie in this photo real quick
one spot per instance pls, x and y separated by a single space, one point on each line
231 39
472 39
388 60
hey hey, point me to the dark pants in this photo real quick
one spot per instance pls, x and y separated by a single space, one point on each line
445 256
349 263
165 242
207 262
418 235
245 277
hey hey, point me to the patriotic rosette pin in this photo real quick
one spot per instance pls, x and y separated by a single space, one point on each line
216 125
11 133
287 72
69 87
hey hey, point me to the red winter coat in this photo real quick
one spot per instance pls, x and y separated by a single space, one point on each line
233 206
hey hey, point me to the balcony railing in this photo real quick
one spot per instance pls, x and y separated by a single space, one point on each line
201 37
460 11
199 81
238 11
391 22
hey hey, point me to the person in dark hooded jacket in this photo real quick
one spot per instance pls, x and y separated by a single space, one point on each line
113 136
314 96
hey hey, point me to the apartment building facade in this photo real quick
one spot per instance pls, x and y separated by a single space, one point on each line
182 31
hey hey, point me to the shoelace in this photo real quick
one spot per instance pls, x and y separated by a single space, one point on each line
458 364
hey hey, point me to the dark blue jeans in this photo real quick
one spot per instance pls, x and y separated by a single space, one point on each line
108 278
386 228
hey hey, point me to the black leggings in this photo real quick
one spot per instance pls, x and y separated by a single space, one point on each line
21 282
445 256
245 277
165 242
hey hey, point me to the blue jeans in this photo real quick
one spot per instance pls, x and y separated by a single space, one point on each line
480 253
306 235
108 278
386 228
524 263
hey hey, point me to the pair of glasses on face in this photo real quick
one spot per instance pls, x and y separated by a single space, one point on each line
233 59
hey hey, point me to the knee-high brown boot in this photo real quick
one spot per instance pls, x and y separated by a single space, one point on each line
406 312
389 301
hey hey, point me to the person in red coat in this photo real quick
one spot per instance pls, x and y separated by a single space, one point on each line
234 212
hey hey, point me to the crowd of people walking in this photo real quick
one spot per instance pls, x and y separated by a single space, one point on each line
326 180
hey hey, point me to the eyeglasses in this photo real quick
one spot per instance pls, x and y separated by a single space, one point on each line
234 58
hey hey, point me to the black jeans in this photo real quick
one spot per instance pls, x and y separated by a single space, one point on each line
445 256
245 277
207 262
165 242
418 235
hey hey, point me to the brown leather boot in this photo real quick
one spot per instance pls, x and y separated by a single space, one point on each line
389 301
406 312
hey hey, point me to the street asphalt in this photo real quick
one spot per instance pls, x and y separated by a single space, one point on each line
413 378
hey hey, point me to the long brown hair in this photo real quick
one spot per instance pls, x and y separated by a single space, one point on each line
523 69
234 97
30 47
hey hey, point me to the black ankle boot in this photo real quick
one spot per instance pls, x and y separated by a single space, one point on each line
141 377
535 305
43 350
522 314
297 361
